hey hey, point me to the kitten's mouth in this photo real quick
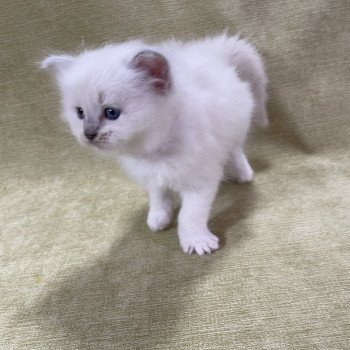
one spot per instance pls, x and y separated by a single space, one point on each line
100 141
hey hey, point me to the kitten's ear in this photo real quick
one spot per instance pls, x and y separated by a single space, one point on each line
155 68
56 63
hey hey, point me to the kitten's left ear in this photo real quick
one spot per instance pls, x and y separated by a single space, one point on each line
57 62
155 68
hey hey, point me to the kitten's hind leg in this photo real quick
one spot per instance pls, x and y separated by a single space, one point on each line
160 209
239 168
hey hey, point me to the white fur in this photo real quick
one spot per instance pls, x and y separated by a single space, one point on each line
180 141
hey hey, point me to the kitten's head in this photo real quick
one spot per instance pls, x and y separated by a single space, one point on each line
112 97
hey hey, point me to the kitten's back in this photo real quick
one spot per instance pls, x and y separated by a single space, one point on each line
213 52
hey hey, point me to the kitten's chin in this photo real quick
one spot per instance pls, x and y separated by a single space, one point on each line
104 145
100 146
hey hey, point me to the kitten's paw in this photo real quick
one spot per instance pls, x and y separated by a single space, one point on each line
158 220
201 242
244 174
239 168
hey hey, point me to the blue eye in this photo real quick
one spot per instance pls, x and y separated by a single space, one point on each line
80 112
112 113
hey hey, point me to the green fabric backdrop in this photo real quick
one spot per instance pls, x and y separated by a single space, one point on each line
79 269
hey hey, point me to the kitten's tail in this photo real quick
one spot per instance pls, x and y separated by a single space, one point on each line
249 65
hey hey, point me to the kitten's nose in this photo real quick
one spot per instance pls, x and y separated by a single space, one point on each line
90 135
90 130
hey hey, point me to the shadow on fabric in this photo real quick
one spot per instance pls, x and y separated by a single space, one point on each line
131 297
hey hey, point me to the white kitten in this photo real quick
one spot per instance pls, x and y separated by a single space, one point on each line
175 115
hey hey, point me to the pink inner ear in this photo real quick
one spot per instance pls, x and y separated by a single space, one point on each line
156 67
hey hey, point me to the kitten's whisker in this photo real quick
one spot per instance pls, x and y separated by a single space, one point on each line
68 150
44 137
77 156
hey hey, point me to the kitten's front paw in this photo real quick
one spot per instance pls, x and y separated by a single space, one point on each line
244 175
201 242
239 167
158 220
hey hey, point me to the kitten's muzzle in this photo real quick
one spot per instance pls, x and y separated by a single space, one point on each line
90 136
90 132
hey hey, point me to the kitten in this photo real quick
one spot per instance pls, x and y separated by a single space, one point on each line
175 115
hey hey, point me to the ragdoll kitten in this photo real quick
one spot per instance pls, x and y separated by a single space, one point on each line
175 115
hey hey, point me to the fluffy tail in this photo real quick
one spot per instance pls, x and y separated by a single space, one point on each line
249 65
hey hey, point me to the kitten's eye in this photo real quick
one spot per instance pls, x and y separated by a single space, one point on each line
112 113
80 112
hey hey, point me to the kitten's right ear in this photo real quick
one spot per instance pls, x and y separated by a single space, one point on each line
56 63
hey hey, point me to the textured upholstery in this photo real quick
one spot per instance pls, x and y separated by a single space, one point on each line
79 269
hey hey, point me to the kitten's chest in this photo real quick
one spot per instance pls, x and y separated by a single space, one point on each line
150 172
